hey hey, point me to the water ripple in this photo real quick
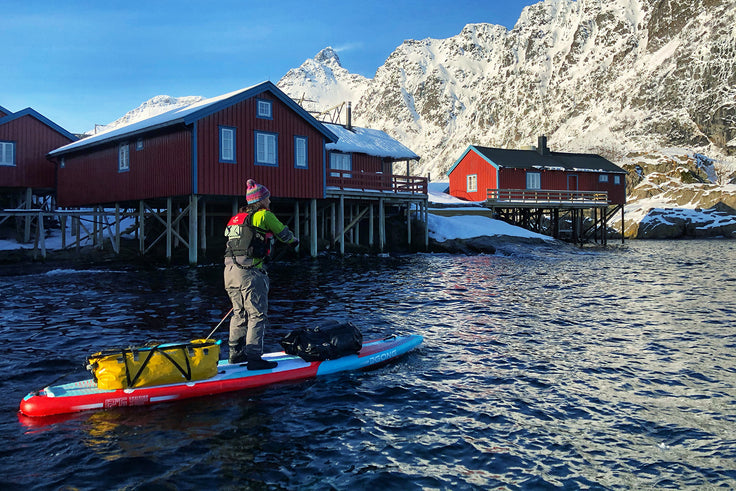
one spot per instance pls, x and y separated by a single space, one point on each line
596 369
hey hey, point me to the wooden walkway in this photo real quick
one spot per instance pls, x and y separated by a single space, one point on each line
586 213
533 198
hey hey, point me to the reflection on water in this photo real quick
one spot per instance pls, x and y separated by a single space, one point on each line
594 368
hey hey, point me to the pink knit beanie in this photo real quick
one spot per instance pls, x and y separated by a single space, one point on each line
256 192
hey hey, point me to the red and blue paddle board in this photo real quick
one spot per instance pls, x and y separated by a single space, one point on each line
85 396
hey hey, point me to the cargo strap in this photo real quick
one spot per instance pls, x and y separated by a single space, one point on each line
187 373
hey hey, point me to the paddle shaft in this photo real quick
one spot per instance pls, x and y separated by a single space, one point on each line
218 325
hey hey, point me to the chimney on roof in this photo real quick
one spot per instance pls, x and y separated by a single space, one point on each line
542 145
350 116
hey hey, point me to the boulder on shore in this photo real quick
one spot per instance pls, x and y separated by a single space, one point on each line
675 223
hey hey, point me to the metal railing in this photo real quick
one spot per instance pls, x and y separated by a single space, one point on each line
546 196
376 181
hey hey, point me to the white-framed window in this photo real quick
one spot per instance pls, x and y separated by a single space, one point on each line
300 152
471 183
533 180
617 179
139 144
266 148
227 145
265 109
62 162
602 177
7 153
124 157
341 161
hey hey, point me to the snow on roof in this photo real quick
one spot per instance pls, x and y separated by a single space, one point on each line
190 113
168 118
532 159
370 142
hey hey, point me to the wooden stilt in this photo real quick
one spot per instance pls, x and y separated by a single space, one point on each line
203 225
381 225
313 228
341 221
141 227
193 229
168 229
408 223
426 226
371 225
117 228
297 221
333 219
62 220
29 218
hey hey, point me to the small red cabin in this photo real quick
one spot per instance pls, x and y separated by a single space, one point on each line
483 170
25 138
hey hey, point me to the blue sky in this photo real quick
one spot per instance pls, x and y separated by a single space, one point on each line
85 62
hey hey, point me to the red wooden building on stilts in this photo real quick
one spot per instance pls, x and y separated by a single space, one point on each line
181 174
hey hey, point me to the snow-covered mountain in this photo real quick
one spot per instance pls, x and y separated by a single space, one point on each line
603 76
321 83
152 107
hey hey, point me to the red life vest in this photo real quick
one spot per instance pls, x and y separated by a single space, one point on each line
244 239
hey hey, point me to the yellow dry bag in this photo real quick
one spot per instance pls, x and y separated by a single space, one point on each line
157 364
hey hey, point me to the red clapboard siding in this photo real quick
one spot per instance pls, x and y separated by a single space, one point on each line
473 164
161 168
33 140
283 180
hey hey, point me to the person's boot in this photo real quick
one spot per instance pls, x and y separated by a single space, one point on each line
260 364
236 358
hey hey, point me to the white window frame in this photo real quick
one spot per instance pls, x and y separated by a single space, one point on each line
264 109
341 161
124 157
266 148
534 180
471 183
617 179
602 177
139 144
7 153
227 144
300 152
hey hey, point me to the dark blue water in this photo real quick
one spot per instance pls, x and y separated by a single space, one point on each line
543 369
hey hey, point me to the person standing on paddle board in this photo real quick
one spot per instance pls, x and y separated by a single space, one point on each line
249 237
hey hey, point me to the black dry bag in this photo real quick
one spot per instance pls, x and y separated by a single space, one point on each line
328 341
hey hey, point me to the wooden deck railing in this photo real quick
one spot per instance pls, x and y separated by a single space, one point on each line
376 181
546 196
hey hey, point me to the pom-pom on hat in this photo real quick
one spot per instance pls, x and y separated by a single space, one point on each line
256 192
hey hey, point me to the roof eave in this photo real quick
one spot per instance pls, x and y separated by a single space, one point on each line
40 117
113 138
254 91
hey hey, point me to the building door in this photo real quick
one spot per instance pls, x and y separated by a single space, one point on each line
572 182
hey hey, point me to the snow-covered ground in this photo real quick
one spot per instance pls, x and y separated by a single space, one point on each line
443 228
